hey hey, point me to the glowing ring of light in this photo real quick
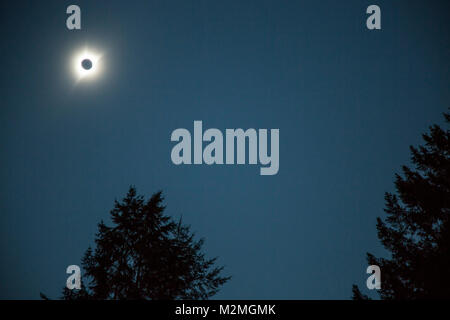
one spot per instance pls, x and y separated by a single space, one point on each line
82 73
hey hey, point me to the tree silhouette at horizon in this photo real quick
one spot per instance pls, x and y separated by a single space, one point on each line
146 255
416 230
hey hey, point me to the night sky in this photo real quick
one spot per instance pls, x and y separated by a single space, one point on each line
348 102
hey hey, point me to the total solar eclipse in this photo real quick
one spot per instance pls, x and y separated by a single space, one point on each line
87 64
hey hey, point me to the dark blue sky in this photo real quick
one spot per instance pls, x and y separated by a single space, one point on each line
348 103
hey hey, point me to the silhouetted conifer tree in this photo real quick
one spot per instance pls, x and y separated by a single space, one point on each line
146 255
416 230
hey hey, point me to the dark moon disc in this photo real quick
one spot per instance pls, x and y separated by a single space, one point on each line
86 64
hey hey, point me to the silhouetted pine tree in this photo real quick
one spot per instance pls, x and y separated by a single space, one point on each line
417 228
146 255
